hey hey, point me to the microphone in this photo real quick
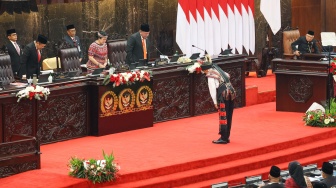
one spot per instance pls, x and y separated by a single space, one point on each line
158 50
319 43
162 57
205 52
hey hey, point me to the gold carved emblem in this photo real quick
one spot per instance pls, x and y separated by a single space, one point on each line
126 100
109 103
144 96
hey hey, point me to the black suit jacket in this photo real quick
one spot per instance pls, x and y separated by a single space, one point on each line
29 61
69 41
15 57
134 48
304 46
331 181
273 185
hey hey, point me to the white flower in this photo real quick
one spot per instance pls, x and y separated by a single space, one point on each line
332 120
101 163
86 164
192 68
116 165
37 89
326 121
184 60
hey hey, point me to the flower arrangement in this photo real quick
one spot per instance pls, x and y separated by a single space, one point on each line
333 66
321 117
127 78
184 59
31 92
97 171
196 67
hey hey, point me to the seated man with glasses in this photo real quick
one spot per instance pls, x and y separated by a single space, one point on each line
73 40
305 44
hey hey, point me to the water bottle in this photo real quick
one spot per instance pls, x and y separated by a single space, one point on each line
50 78
34 79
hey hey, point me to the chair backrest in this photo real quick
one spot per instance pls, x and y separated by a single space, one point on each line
6 72
117 52
69 58
288 38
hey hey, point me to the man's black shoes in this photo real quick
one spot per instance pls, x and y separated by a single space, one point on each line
219 141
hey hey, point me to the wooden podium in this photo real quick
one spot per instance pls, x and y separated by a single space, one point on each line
299 83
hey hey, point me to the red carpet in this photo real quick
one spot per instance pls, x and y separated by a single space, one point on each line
260 90
178 153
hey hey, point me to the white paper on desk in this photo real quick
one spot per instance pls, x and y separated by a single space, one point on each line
328 38
18 84
47 71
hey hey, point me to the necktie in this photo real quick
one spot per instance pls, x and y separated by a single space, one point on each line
144 48
74 41
38 55
17 47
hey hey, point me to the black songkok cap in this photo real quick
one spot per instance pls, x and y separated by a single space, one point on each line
71 26
10 31
144 27
327 168
311 32
206 65
275 171
42 39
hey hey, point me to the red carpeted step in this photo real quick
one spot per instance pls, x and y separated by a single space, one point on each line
237 166
227 158
239 178
260 90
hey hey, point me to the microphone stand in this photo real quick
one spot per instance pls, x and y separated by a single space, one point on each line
205 52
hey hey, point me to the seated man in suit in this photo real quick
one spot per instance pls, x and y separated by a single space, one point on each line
14 50
32 57
72 40
274 178
327 174
305 44
138 45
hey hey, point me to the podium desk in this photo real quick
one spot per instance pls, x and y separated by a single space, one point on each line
299 83
121 108
82 107
313 57
179 94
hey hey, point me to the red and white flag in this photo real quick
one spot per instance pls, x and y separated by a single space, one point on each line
232 25
252 26
193 24
271 10
215 25
209 45
246 25
224 23
239 26
200 25
183 26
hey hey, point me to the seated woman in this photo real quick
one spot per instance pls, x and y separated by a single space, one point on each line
297 179
98 52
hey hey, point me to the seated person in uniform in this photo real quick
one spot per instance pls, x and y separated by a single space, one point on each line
305 44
